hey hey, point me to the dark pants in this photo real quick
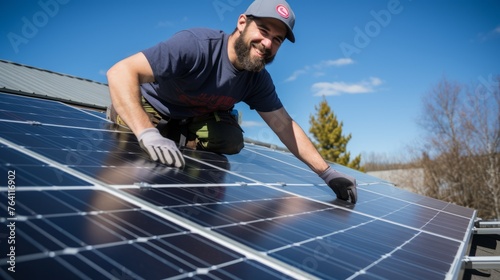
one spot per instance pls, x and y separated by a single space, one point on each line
217 132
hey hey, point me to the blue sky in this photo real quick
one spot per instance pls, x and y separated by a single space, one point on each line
373 61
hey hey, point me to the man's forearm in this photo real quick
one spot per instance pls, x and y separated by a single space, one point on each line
302 147
126 97
295 139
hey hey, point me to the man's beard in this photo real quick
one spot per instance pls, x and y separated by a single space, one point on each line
245 60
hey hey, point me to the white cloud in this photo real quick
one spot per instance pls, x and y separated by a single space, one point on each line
295 75
375 81
319 67
338 88
490 34
338 62
252 124
319 74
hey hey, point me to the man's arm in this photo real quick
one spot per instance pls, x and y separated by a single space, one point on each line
295 139
124 80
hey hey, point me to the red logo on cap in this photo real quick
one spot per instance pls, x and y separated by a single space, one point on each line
282 11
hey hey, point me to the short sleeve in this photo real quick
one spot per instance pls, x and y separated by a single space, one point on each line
263 96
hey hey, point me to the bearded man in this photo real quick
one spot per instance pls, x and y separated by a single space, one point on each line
192 81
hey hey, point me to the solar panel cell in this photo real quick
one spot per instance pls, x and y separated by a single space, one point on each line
448 225
49 268
428 263
48 112
31 172
396 269
316 262
433 247
246 270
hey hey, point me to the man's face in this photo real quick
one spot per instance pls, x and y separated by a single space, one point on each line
258 43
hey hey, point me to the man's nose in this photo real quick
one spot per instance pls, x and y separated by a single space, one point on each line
267 43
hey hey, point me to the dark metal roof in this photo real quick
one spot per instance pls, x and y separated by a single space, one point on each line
36 82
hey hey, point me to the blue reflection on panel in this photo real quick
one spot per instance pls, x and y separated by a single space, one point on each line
20 108
96 154
28 172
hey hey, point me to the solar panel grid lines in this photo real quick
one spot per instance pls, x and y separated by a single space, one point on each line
174 218
220 239
229 225
425 223
85 248
365 269
75 250
380 189
258 214
95 247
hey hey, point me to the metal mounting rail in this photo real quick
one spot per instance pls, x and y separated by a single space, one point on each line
487 227
482 262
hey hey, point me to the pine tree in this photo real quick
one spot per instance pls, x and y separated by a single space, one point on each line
330 142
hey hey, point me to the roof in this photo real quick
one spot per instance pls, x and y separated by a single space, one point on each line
87 202
32 81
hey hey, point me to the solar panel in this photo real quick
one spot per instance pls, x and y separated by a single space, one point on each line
90 204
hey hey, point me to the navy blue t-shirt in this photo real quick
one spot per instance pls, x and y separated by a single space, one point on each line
193 76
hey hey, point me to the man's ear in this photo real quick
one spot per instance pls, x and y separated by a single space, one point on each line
242 22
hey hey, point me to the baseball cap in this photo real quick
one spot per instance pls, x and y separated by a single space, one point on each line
278 9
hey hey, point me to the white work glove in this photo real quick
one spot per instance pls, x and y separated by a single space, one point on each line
342 185
160 148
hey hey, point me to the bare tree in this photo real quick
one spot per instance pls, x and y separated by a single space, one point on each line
461 151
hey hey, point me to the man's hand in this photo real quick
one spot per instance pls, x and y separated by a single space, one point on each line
344 186
160 148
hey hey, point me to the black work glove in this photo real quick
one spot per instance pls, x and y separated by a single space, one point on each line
160 148
342 185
